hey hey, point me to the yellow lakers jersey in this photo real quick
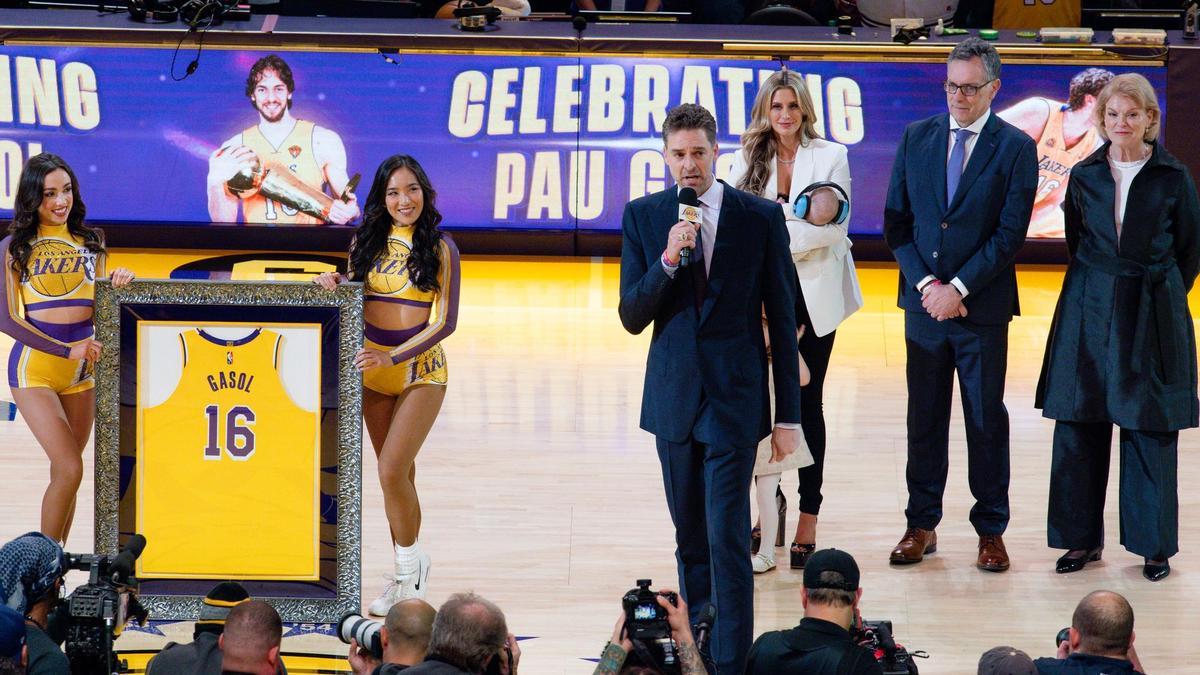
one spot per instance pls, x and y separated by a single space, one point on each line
1055 160
227 468
61 271
1016 14
388 277
296 153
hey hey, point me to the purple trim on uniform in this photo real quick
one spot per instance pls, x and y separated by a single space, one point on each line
51 304
398 301
11 323
14 359
390 338
230 343
450 321
67 332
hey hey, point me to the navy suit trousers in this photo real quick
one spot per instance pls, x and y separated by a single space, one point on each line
708 494
979 354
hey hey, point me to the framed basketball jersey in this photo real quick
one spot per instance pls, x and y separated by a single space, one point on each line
227 450
229 435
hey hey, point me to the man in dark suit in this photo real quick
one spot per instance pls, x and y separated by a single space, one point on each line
706 397
957 211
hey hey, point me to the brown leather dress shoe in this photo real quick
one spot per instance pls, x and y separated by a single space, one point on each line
992 555
913 546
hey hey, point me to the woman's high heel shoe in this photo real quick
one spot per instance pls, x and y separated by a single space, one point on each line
755 539
800 554
781 506
1156 570
1075 560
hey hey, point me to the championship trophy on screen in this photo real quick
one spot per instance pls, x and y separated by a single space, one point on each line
274 181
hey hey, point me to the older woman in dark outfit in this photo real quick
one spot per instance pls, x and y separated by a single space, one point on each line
1121 349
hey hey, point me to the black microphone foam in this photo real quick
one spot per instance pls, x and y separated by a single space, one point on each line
579 23
704 624
122 565
687 198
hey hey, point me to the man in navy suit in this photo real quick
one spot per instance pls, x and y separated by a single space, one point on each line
706 397
957 211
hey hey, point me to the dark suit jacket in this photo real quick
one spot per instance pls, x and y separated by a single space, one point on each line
719 352
977 237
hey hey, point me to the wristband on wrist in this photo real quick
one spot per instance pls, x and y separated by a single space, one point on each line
667 261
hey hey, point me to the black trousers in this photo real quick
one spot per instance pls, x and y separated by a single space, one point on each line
816 352
1149 493
937 350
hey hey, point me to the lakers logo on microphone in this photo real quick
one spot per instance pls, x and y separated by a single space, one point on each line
689 213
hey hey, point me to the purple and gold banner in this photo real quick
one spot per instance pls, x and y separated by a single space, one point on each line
509 142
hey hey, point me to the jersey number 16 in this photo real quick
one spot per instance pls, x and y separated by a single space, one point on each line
239 434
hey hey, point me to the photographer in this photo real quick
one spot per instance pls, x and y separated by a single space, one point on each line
250 643
1100 639
31 575
821 644
201 656
404 636
615 652
469 637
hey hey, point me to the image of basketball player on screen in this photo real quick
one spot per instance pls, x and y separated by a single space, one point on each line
279 169
1064 135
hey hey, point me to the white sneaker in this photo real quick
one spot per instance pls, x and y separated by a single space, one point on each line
760 562
391 595
413 585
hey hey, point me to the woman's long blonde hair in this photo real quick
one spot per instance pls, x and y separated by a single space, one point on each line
759 142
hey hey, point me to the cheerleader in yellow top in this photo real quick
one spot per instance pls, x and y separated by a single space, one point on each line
411 272
52 260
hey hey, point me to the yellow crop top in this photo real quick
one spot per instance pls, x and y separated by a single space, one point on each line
388 281
61 271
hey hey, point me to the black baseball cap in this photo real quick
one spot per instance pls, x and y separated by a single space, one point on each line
831 560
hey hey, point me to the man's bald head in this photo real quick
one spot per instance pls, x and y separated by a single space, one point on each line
407 627
1104 621
251 639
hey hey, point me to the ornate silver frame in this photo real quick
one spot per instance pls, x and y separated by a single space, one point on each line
348 301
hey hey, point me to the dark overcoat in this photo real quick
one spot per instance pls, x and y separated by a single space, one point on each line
1122 348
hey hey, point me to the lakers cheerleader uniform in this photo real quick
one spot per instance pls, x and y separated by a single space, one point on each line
417 356
61 272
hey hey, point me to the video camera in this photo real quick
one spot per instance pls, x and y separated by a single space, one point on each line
96 612
893 658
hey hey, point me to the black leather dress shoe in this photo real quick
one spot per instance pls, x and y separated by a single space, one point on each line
1075 560
1156 570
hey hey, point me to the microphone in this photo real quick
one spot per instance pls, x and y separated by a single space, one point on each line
122 565
689 210
703 627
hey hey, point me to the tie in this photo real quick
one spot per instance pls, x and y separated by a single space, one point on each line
699 273
954 167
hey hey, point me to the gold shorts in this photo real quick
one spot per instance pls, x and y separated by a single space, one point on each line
428 367
32 368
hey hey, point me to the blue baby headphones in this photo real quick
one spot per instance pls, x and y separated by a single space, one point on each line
804 201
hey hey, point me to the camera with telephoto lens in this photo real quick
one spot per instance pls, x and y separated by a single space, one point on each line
365 631
876 636
647 627
96 612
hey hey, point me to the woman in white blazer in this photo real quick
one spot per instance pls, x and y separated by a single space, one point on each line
781 156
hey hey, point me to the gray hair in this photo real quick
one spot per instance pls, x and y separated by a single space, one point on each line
467 631
975 47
